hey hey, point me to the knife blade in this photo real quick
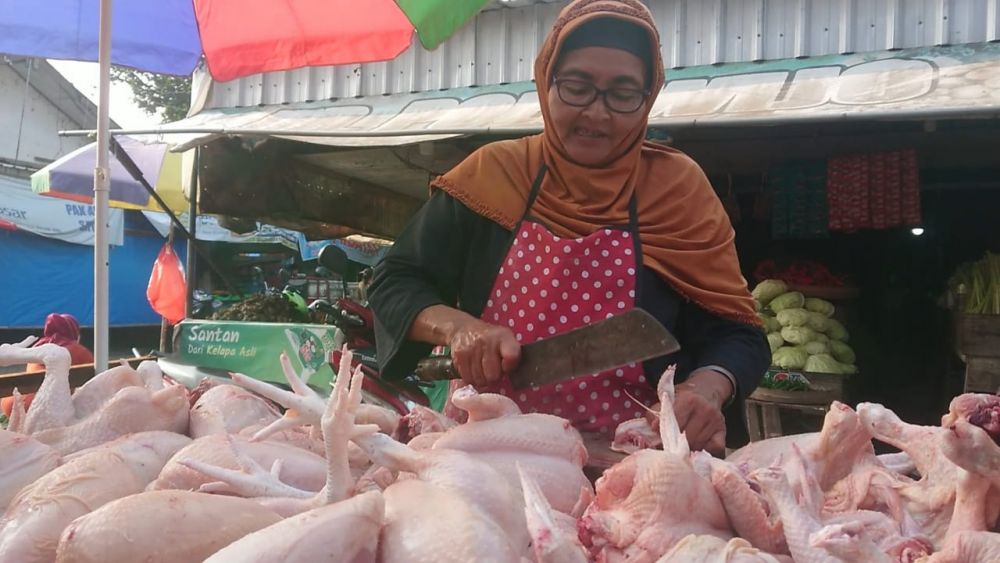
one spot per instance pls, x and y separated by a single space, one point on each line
634 336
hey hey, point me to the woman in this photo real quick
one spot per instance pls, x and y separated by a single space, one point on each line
61 329
532 237
64 330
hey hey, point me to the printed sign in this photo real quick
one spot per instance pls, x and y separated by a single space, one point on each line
69 221
254 349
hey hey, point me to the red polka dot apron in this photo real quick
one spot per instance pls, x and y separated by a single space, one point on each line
547 285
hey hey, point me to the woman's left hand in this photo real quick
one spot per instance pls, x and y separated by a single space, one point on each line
698 405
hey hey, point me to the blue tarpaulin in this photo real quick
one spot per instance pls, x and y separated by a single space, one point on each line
43 275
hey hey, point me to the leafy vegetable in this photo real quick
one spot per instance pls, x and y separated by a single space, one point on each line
816 321
842 352
3 421
793 317
816 347
819 306
978 285
790 300
789 357
770 323
768 290
820 337
798 334
775 341
836 331
823 363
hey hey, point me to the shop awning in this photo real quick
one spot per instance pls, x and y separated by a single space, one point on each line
923 83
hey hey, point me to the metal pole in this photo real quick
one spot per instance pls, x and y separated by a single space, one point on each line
192 243
102 190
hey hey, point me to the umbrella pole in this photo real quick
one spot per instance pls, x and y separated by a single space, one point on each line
102 189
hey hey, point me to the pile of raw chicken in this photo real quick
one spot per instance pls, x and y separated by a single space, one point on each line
132 468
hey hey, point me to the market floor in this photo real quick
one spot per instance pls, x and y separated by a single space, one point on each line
123 339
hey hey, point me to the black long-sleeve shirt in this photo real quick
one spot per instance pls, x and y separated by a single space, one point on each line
450 255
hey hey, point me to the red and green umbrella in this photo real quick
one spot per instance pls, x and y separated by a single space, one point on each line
236 38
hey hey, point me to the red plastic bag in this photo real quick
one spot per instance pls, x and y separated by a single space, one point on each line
167 291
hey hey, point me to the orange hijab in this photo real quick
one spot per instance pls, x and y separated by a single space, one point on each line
686 235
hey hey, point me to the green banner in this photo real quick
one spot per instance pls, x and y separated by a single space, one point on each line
436 20
254 349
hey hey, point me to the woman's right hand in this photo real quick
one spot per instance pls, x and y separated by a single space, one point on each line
482 352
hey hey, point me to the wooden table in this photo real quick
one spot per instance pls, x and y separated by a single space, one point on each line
600 456
29 381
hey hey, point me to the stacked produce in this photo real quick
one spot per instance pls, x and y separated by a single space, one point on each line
269 308
801 330
124 469
978 286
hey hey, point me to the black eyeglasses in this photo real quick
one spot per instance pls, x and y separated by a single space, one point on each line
580 93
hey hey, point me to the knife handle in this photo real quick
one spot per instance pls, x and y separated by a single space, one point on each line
436 369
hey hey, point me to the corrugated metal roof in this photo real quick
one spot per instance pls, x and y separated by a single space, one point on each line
500 45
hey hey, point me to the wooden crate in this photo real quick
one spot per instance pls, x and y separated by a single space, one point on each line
764 406
977 342
977 335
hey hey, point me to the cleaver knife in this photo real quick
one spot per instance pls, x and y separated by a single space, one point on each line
634 336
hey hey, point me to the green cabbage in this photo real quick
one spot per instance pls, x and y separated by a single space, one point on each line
793 317
775 340
790 300
842 352
768 290
816 347
798 334
771 324
816 321
823 363
820 337
788 357
815 305
836 331
848 369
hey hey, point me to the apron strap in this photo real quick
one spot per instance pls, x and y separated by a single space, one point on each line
633 227
535 188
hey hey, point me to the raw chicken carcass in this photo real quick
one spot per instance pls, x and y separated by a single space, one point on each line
151 374
427 523
338 429
652 499
30 528
749 512
712 549
228 409
930 500
343 531
386 420
549 450
132 409
53 407
969 547
22 460
459 474
831 454
980 409
161 527
422 420
300 468
553 534
634 435
92 395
